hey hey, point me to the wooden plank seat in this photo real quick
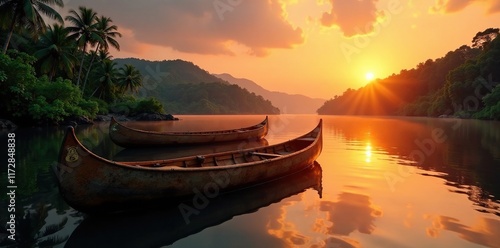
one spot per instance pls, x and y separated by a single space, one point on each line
265 154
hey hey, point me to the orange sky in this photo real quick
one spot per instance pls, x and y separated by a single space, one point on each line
318 48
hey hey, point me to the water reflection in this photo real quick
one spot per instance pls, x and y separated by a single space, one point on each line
37 198
163 227
368 153
484 232
463 152
340 243
325 223
32 229
96 139
350 213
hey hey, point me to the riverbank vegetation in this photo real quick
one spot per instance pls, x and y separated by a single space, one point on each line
50 73
463 83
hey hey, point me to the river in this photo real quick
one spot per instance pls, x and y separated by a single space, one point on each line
379 182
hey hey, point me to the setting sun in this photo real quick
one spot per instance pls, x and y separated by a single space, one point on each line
369 76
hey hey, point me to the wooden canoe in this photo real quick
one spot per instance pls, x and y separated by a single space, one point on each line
90 183
131 137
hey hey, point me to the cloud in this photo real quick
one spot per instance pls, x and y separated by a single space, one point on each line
483 232
350 204
202 27
353 17
453 6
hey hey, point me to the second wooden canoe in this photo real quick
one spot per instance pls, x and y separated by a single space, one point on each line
130 137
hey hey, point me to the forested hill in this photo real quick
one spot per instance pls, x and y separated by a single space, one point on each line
171 71
184 88
463 83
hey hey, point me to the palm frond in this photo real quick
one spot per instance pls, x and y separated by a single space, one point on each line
52 241
50 12
51 229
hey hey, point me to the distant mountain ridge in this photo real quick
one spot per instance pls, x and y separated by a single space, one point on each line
287 103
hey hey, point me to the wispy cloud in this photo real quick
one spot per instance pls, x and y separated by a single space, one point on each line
194 26
353 17
452 6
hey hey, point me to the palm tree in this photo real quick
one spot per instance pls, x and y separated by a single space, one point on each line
129 78
84 31
107 32
28 15
21 39
94 77
104 55
107 80
55 52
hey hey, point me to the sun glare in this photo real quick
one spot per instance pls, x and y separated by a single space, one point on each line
369 76
368 152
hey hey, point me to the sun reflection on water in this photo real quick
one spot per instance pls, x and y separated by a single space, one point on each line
368 152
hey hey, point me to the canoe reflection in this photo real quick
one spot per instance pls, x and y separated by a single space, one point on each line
159 153
164 227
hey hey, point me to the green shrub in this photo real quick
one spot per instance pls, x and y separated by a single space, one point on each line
123 108
151 105
90 108
131 106
103 107
55 101
25 97
17 76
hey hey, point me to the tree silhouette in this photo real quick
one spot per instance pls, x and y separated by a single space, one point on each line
27 15
84 31
108 33
55 52
483 39
129 78
107 79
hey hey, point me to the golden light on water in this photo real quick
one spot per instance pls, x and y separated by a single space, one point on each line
368 153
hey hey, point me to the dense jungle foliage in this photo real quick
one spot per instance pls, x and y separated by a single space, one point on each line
463 83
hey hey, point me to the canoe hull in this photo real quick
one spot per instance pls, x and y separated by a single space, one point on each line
129 137
90 183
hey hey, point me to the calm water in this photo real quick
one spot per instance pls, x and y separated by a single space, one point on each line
379 182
